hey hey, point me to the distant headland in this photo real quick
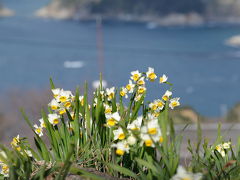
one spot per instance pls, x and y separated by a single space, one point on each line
161 12
4 12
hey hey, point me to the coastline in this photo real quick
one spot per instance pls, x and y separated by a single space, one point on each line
55 10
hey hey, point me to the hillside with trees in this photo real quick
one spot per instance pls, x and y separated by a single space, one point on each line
162 11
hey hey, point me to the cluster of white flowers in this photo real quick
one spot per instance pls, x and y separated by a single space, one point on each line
62 101
148 131
151 133
4 169
145 132
16 141
222 148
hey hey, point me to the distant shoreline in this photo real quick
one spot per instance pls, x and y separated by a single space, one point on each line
56 11
5 12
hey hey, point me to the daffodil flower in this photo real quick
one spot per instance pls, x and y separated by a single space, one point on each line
110 93
5 170
81 100
15 142
138 97
64 96
121 148
147 140
56 92
151 133
174 103
163 79
141 81
123 92
167 95
38 130
222 147
153 106
119 134
226 145
136 124
135 75
42 123
108 109
54 104
53 119
150 74
141 89
130 87
112 119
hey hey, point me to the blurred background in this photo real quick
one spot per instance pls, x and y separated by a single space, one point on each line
195 42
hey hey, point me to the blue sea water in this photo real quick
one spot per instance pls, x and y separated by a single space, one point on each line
205 72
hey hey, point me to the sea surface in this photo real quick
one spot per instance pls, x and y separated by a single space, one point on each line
205 72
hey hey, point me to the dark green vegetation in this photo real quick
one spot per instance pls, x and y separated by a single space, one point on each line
156 7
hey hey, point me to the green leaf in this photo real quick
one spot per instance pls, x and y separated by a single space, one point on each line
52 84
123 170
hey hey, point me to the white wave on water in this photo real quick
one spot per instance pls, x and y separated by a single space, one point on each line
95 84
73 64
151 25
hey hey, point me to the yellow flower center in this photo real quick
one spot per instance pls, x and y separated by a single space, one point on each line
53 107
152 131
108 110
120 152
67 104
5 169
18 148
55 95
140 82
135 128
152 76
122 93
161 139
218 148
82 102
141 90
165 98
62 111
135 77
148 142
154 107
186 178
63 98
174 104
38 130
15 141
128 87
160 104
121 136
161 79
55 121
111 122
44 125
110 96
